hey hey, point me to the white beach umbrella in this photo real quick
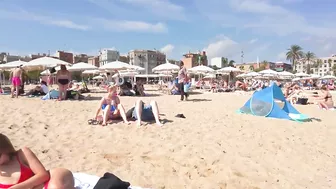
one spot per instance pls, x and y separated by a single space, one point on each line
82 66
286 74
328 77
91 72
209 76
301 75
314 76
98 77
13 64
116 65
296 79
228 70
166 67
47 72
137 68
44 62
125 74
268 71
201 69
241 75
252 74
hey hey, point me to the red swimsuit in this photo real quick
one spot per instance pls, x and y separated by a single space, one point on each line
26 173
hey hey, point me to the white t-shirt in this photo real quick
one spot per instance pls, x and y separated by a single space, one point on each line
45 89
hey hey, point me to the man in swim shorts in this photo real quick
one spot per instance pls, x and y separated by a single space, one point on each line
16 78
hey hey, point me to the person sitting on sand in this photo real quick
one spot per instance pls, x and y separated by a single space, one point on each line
39 90
21 169
111 106
141 112
325 100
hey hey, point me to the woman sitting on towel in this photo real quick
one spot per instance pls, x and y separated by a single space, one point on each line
325 100
21 169
112 109
39 90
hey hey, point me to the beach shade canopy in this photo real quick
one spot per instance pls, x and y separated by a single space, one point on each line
91 72
125 74
328 77
82 66
252 74
270 102
44 62
228 70
285 74
209 76
268 71
136 68
242 75
201 69
98 77
301 75
314 76
166 67
116 65
13 64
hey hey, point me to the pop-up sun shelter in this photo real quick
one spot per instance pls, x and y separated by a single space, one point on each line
270 102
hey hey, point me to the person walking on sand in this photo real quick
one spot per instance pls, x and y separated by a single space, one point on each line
182 77
16 78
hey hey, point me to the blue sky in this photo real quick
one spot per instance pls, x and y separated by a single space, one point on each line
261 28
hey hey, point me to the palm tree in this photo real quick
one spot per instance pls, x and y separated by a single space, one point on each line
241 67
231 63
334 69
309 57
293 54
225 62
329 62
251 67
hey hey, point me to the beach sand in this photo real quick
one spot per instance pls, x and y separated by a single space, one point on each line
213 148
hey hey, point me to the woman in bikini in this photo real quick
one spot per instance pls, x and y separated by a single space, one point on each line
63 78
21 169
111 107
325 100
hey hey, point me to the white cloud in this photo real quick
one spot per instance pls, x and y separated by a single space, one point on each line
224 46
252 41
162 8
264 16
124 25
168 49
90 23
27 16
281 56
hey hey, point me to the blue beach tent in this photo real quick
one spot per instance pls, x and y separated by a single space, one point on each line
270 102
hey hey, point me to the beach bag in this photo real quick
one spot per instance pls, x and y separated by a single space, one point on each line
187 87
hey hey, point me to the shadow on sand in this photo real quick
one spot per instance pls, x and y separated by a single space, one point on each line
199 100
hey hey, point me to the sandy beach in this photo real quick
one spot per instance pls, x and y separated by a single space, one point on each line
213 148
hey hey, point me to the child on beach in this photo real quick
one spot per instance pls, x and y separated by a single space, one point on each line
21 169
111 107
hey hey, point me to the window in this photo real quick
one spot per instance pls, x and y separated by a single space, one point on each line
325 61
335 61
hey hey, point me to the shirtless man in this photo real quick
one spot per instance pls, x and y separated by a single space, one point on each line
16 78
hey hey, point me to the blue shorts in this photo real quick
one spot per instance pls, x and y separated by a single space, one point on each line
112 107
147 113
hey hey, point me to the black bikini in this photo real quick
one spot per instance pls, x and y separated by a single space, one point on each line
63 81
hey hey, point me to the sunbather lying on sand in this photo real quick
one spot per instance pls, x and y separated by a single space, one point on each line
21 169
111 106
142 112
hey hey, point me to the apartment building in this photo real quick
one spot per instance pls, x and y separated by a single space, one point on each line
321 66
65 56
217 61
124 58
94 61
80 58
277 66
147 59
108 55
195 59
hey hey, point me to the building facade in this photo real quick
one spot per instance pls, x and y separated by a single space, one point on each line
147 59
195 59
321 66
108 55
65 56
253 66
217 61
94 61
80 58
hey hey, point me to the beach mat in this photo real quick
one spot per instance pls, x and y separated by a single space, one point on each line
86 181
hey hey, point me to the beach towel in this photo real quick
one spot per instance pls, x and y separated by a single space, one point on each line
86 181
53 94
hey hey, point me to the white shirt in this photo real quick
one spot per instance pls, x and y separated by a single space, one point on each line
45 89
